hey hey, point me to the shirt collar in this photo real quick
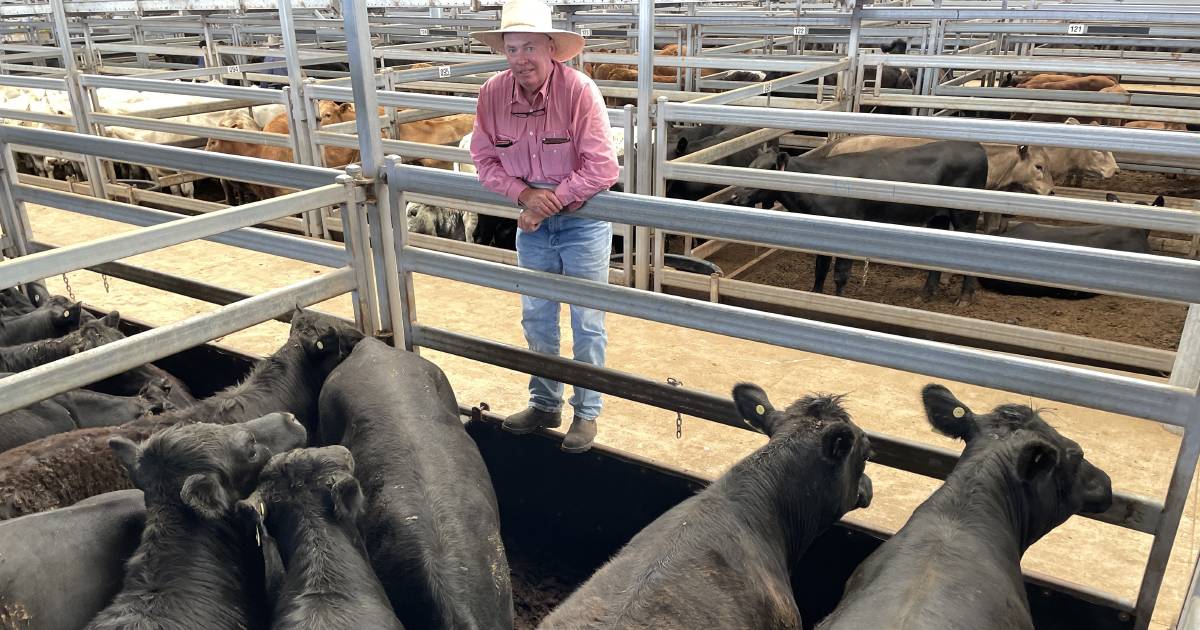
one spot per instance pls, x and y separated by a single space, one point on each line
544 91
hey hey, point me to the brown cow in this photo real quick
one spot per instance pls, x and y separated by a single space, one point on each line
447 130
1156 124
1091 83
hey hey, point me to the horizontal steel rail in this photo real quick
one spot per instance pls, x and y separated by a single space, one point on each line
254 239
436 102
1155 277
89 366
1044 379
739 62
973 103
212 164
37 266
1174 69
1002 202
453 70
1130 511
1167 143
183 88
33 83
38 117
186 129
766 87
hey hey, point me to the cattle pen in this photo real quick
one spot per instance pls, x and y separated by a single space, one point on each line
826 69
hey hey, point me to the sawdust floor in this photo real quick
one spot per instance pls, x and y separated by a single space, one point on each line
1137 454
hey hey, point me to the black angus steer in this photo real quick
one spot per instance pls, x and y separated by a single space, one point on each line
59 568
957 562
308 502
90 334
22 299
77 409
959 164
21 357
61 469
686 140
1117 238
194 567
430 522
55 319
723 558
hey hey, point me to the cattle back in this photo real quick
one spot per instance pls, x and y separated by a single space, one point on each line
431 523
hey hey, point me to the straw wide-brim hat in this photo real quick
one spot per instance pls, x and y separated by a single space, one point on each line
532 16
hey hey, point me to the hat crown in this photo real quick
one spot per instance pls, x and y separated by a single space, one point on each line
531 14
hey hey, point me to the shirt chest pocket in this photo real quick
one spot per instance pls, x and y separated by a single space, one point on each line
557 153
514 156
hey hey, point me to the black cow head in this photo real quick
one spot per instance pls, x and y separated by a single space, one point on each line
896 47
307 479
1055 480
312 481
326 341
820 419
768 158
65 314
207 467
97 332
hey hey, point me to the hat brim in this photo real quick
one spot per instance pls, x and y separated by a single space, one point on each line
567 44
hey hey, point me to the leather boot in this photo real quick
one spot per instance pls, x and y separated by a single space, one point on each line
579 437
532 419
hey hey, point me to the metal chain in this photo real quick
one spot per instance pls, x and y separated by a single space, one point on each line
674 382
67 284
104 279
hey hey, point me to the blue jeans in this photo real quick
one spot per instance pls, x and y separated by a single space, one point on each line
580 248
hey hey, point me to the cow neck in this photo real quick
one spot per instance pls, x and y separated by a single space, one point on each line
768 488
984 497
193 559
320 555
28 355
280 382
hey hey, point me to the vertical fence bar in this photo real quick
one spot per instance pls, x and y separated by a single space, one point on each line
395 239
362 82
645 161
75 95
363 296
628 117
13 220
660 188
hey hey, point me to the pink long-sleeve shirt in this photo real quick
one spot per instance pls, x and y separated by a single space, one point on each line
568 146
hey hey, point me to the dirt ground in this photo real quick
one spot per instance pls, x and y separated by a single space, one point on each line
1137 454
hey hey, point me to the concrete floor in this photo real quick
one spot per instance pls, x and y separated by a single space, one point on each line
1137 454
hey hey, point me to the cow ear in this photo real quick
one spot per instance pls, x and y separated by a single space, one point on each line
206 496
681 147
1072 121
112 319
837 441
1037 459
323 345
1159 201
125 450
948 415
251 513
346 107
753 405
345 497
1023 151
1111 197
781 160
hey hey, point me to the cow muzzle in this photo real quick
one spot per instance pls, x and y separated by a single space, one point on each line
865 492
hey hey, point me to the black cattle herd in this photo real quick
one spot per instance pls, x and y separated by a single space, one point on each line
336 487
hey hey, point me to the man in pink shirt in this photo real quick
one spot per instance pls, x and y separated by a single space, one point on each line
541 139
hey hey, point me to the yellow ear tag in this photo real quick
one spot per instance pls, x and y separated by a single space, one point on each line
959 412
262 508
760 410
257 537
320 345
66 313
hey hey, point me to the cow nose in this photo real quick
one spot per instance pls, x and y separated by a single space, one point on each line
865 492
